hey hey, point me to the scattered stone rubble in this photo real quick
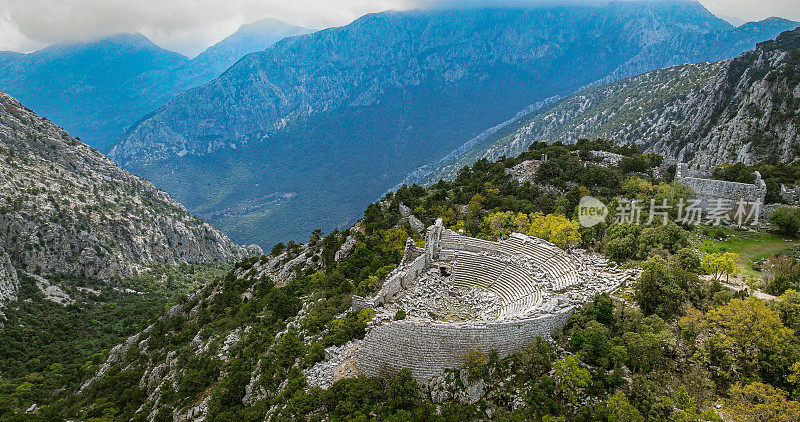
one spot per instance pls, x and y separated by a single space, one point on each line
435 297
524 171
605 158
412 220
51 292
339 363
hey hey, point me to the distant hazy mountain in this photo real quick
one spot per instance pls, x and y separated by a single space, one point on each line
248 38
742 110
93 89
96 90
66 209
8 56
308 132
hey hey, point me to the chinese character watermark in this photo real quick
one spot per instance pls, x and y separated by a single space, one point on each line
693 212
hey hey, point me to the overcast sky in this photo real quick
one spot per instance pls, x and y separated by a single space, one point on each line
189 26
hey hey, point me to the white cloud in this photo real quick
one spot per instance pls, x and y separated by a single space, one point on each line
11 38
188 26
754 10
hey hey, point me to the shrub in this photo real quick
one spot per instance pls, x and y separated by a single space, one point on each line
476 365
786 221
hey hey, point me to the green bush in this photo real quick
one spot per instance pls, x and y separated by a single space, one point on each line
786 221
476 364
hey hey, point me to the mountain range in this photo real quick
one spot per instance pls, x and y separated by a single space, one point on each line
96 90
67 210
309 131
741 110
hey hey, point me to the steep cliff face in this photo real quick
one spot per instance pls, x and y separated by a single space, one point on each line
329 121
749 112
741 110
65 208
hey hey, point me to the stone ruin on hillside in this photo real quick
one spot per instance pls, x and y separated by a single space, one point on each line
461 294
707 189
790 194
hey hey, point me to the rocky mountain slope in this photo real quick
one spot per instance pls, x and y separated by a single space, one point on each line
741 110
96 90
275 338
308 132
749 111
66 209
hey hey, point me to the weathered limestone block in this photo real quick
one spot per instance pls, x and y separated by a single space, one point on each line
708 189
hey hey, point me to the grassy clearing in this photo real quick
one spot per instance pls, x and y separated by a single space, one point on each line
751 247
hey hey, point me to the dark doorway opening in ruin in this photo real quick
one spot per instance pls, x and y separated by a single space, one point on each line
444 271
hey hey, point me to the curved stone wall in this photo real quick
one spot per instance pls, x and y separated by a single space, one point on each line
428 347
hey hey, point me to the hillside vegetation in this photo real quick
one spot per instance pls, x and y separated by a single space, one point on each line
674 346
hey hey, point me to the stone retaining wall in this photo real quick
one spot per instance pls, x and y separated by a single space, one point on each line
708 189
428 348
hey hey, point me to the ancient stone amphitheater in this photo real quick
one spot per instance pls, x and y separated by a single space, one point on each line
461 294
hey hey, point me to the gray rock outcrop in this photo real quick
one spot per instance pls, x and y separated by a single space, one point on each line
9 284
65 208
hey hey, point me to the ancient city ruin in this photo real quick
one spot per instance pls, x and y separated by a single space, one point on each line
461 294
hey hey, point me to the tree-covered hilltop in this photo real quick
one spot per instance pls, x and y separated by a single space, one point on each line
679 344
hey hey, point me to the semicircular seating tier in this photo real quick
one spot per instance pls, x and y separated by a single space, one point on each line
517 269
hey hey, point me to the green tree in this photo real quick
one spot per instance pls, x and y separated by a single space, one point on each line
758 402
720 264
402 392
571 380
747 331
663 289
476 364
621 410
555 228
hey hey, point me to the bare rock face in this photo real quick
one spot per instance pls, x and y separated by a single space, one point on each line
740 110
65 208
749 112
9 284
